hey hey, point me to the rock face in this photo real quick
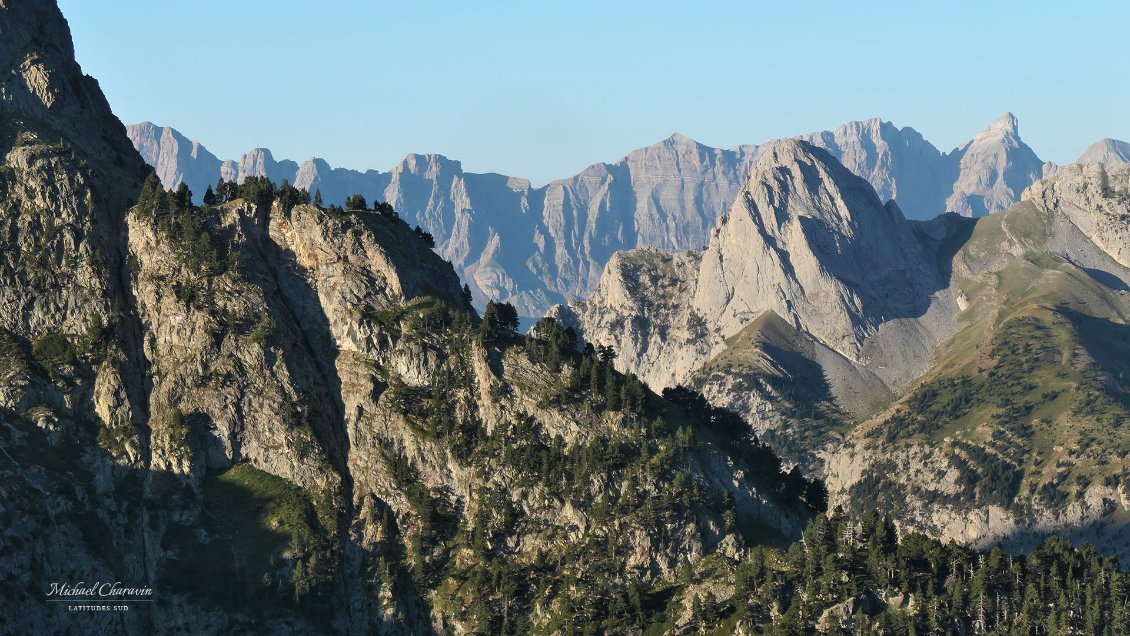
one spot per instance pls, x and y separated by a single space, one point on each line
806 240
812 242
1106 151
535 247
889 355
285 419
898 162
1093 199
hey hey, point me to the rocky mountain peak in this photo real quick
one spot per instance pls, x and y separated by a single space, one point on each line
805 239
993 169
427 165
796 179
43 82
1006 124
1106 151
256 159
679 139
175 158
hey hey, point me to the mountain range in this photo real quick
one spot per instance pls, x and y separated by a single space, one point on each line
534 247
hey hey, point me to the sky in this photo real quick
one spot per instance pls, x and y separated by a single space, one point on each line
542 89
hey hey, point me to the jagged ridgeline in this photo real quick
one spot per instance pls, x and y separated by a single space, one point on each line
968 376
537 246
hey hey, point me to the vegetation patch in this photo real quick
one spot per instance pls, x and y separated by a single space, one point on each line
258 547
53 349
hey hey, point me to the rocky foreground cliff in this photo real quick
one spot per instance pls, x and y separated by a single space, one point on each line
968 375
289 419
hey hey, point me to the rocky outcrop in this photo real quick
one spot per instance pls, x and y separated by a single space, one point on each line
1090 204
535 247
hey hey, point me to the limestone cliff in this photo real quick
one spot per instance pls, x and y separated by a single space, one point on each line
806 240
993 169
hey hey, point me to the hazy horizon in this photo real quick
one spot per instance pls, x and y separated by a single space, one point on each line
531 92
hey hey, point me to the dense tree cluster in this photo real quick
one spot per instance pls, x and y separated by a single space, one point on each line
729 430
584 375
258 190
500 321
876 582
175 216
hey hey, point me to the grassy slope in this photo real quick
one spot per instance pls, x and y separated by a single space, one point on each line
1030 397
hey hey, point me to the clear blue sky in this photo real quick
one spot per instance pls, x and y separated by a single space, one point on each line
542 89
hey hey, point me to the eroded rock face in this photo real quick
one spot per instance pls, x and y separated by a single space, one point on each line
898 162
806 239
812 242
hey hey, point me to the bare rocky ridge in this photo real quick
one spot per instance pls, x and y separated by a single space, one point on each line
535 247
176 159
